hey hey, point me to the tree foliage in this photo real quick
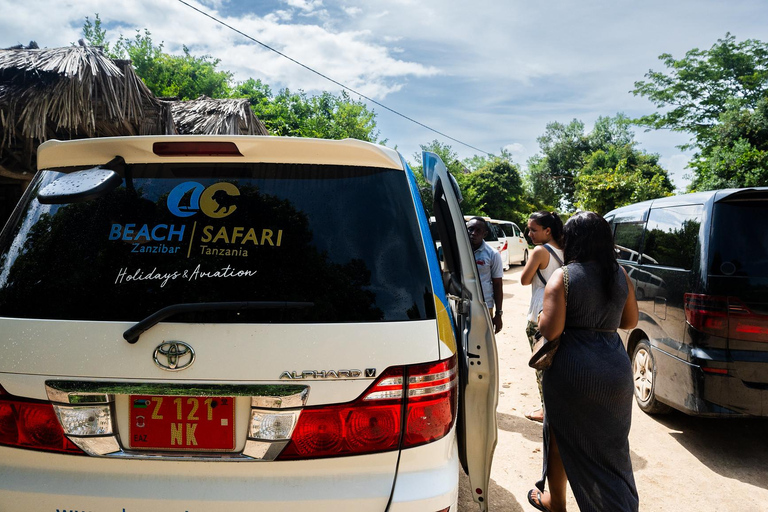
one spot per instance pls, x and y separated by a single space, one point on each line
617 176
188 76
718 96
297 114
701 86
599 171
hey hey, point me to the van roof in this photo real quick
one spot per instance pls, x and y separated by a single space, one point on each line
253 149
688 199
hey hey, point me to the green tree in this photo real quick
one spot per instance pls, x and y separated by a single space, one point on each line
598 171
94 34
565 148
739 157
618 176
182 76
701 86
718 96
498 187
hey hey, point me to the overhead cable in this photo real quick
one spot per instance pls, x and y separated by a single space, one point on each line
329 78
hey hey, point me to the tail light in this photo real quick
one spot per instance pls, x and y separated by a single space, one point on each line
727 317
32 424
202 148
504 247
407 406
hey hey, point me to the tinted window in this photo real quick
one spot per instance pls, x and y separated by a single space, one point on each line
739 240
672 236
628 238
259 232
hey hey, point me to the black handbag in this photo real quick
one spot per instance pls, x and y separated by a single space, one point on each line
544 349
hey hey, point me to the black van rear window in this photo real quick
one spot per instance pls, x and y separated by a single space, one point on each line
739 239
344 238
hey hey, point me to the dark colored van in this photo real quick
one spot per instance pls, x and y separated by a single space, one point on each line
699 265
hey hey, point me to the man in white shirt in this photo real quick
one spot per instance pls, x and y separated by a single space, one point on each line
489 267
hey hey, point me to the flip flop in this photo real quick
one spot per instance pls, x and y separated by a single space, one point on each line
530 416
534 504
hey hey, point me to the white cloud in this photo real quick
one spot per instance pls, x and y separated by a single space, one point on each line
352 11
305 5
515 148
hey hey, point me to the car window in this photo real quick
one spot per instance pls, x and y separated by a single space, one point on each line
493 233
628 237
739 239
178 233
672 236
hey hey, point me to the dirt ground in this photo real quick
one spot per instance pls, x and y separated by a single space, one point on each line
680 463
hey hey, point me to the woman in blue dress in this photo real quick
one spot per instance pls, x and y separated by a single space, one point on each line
588 389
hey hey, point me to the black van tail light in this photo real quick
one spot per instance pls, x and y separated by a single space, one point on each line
707 313
374 422
725 317
32 424
716 371
202 148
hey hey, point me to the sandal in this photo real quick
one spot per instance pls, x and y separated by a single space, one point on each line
536 504
537 415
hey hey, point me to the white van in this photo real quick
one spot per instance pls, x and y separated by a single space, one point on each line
165 345
515 242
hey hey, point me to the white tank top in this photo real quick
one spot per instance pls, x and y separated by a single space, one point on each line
537 287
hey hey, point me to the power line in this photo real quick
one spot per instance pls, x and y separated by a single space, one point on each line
331 79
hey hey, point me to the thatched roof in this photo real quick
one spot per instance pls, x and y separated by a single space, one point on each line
216 117
77 92
70 93
74 92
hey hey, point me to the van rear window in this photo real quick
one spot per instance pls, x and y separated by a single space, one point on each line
739 240
344 238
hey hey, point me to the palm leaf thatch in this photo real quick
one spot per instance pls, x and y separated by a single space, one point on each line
74 92
216 117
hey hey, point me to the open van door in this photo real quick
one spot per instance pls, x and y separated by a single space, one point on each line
478 361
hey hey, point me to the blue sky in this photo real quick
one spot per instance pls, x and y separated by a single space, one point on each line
491 73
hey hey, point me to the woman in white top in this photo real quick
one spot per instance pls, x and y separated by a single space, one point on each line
546 231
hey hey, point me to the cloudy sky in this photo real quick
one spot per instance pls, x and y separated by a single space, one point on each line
490 73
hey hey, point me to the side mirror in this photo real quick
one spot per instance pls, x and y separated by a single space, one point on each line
83 185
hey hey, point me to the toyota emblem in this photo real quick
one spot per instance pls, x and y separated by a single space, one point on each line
174 356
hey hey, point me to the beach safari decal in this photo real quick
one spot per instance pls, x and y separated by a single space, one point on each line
200 236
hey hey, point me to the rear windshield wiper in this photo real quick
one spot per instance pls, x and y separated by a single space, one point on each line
132 334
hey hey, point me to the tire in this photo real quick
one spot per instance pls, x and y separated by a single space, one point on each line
644 376
525 258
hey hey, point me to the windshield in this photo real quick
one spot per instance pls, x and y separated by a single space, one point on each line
343 238
740 239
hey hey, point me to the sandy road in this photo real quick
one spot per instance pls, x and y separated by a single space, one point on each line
680 463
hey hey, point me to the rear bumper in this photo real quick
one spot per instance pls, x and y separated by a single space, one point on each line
687 387
35 481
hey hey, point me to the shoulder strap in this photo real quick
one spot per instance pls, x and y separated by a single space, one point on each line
553 253
557 259
565 282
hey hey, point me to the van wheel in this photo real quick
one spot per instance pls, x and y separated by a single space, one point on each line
525 258
644 375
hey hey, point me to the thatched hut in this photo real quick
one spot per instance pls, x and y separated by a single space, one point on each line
78 92
216 117
66 93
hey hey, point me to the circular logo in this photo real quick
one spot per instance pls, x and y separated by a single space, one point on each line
219 200
184 199
174 356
